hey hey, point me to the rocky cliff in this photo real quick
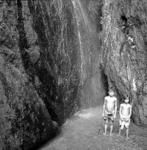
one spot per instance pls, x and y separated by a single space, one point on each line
125 53
57 56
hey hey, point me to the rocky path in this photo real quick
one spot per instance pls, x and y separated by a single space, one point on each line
85 132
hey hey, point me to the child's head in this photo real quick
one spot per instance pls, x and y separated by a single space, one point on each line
111 93
126 100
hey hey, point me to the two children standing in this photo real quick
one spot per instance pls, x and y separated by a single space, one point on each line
110 111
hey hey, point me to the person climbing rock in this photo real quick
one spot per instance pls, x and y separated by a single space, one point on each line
109 111
125 112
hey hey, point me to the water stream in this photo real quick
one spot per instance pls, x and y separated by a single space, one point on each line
77 11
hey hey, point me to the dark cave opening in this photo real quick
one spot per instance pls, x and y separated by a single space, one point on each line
124 19
124 24
104 80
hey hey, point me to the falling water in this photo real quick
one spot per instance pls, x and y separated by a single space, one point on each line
84 16
76 11
89 55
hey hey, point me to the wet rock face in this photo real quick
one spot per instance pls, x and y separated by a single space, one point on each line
24 117
59 56
39 73
124 51
50 53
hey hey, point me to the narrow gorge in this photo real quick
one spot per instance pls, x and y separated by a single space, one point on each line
60 56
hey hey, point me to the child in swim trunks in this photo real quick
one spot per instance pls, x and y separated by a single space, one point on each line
109 111
125 112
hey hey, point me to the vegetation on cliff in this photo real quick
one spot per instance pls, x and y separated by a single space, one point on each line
57 56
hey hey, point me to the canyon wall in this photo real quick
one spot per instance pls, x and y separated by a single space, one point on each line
59 56
124 52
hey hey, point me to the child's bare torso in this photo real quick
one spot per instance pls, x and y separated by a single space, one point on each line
125 110
110 104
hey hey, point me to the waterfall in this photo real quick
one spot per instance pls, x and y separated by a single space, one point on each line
77 11
84 16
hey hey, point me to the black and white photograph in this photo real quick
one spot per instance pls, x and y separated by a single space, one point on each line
73 74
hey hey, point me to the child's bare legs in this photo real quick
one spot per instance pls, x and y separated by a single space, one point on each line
106 126
121 127
127 123
127 132
111 126
120 131
111 129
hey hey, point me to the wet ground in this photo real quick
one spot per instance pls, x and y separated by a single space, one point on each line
85 132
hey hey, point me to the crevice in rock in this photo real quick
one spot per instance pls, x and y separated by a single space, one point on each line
23 43
99 16
124 24
124 19
48 93
104 79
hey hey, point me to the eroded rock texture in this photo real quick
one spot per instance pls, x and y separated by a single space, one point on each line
24 116
57 56
124 51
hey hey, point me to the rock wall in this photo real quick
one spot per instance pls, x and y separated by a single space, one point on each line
124 51
57 56
25 118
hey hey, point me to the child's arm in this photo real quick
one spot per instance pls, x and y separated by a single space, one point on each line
104 107
115 111
120 110
130 111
